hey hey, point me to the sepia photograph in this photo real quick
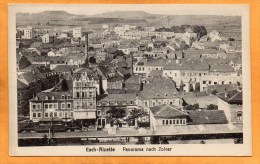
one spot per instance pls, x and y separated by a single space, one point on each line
129 80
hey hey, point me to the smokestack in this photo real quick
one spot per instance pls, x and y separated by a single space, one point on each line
86 50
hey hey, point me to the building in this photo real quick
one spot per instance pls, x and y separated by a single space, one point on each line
52 105
133 84
85 90
77 32
209 80
231 103
159 90
144 66
167 115
28 33
45 38
125 102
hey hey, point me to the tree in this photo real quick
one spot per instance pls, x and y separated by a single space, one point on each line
117 112
238 141
192 107
92 60
164 141
212 107
140 141
214 92
155 140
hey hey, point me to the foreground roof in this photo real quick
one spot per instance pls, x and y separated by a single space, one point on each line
167 111
208 117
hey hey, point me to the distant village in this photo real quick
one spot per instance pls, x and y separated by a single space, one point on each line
129 80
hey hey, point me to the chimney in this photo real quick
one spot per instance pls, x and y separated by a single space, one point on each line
86 49
225 93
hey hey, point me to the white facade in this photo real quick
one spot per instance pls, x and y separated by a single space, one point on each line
77 32
28 33
46 38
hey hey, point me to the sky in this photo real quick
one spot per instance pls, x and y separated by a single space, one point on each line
92 9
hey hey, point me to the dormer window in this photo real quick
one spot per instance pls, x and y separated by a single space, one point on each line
52 98
46 97
62 97
68 97
36 98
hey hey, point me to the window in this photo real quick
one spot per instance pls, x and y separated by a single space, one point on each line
215 83
166 122
62 105
170 121
71 114
38 106
68 97
55 114
77 93
60 114
51 114
174 121
177 121
66 114
69 105
46 106
46 115
50 105
239 116
163 122
34 115
209 82
90 104
204 82
199 74
39 115
184 121
55 106
34 106
98 112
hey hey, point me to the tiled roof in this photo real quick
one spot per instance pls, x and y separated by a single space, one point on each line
156 62
89 72
36 44
123 71
76 57
30 76
203 51
214 61
187 64
64 68
156 73
222 68
159 87
167 111
21 85
119 97
134 79
207 117
56 95
232 97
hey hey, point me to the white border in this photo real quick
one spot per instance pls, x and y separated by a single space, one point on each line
178 149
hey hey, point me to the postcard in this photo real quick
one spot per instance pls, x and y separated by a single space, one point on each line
129 80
